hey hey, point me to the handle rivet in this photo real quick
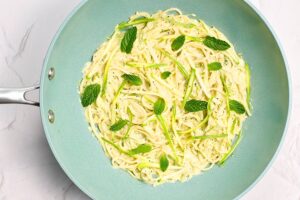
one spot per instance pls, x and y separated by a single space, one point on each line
51 117
51 73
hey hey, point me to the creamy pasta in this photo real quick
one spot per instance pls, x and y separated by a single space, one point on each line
191 71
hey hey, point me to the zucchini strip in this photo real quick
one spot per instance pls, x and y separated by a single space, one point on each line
178 64
116 146
168 136
203 137
106 69
145 65
189 87
248 89
233 147
143 20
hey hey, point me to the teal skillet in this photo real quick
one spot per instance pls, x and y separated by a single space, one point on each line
80 154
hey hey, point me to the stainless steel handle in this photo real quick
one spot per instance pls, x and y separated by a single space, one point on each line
17 95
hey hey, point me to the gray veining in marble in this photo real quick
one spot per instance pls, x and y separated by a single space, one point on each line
16 54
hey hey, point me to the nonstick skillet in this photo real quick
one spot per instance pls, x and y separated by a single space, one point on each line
80 154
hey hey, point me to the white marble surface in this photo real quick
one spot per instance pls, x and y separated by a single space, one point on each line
28 170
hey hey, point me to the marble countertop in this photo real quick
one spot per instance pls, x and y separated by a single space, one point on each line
28 169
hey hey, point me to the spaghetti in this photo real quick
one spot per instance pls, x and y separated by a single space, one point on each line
199 69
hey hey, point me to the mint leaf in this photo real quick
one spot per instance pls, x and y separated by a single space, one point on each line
159 106
195 105
215 43
178 43
164 162
132 79
165 74
90 94
236 107
214 66
128 40
143 148
118 125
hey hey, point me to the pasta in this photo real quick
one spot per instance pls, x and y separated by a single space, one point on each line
174 95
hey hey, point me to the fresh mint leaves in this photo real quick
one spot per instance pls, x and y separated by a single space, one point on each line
195 105
178 43
236 107
165 75
143 148
118 125
132 79
214 66
164 162
128 40
159 106
90 94
216 44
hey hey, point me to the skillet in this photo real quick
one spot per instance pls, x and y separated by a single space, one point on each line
80 154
